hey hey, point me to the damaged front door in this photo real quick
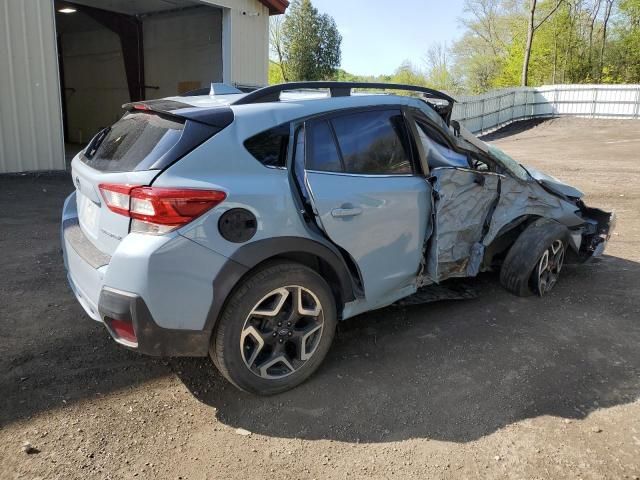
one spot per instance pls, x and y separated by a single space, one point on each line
464 200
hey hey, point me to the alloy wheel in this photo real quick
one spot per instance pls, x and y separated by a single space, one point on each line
548 268
282 332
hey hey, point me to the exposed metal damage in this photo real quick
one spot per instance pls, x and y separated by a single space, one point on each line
473 202
478 213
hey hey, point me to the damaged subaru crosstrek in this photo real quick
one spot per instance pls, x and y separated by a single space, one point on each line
244 226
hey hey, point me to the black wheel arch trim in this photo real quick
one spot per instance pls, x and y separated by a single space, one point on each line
253 254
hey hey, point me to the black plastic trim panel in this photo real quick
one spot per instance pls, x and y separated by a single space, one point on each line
337 89
250 255
152 339
343 89
257 252
193 135
158 341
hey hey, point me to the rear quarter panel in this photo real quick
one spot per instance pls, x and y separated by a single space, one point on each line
223 163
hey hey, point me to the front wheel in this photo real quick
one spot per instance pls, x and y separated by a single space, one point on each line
547 271
533 264
275 330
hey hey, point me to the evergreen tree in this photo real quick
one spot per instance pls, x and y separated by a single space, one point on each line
310 43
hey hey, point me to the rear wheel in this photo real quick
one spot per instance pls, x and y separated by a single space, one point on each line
276 329
534 262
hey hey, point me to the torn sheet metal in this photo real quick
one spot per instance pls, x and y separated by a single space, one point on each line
473 208
520 199
463 200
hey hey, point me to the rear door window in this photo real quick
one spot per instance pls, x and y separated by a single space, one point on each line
323 153
135 141
374 142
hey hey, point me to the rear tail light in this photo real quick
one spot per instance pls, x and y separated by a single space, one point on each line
123 330
157 210
117 197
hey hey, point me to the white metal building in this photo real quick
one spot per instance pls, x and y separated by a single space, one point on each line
66 67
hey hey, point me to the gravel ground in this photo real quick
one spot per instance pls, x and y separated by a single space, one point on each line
494 387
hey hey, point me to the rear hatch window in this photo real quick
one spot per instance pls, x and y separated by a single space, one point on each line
136 142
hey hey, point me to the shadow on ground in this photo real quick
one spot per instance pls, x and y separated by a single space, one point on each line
457 371
50 351
513 129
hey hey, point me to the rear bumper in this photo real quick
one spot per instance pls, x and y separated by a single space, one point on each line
86 279
151 339
164 286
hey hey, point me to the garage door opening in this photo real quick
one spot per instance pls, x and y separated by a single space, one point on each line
111 52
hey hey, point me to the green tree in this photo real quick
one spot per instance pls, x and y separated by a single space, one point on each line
276 49
623 61
510 42
440 74
479 56
407 74
533 25
310 44
275 73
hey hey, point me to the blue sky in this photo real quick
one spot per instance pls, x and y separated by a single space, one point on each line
378 35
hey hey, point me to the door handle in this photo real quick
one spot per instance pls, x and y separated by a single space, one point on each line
346 211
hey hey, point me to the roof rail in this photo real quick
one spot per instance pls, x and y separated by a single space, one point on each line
342 89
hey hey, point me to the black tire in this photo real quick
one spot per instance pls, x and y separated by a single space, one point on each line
231 345
519 271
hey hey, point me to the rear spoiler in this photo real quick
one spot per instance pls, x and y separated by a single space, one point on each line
218 117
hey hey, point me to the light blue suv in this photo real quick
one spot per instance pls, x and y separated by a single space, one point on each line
244 226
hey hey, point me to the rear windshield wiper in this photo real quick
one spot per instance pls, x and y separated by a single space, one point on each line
92 148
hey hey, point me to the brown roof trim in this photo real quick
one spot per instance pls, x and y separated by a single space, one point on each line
276 7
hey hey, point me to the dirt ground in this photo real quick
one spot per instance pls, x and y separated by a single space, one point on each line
494 387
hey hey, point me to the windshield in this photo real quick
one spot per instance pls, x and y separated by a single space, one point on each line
507 162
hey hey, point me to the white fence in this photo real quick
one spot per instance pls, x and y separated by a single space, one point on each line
482 113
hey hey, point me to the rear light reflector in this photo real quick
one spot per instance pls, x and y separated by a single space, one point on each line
117 197
123 330
140 226
157 210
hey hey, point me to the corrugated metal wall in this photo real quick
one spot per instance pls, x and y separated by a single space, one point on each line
249 43
491 110
30 111
245 33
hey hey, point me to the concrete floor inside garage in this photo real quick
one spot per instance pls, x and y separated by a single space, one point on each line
494 387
